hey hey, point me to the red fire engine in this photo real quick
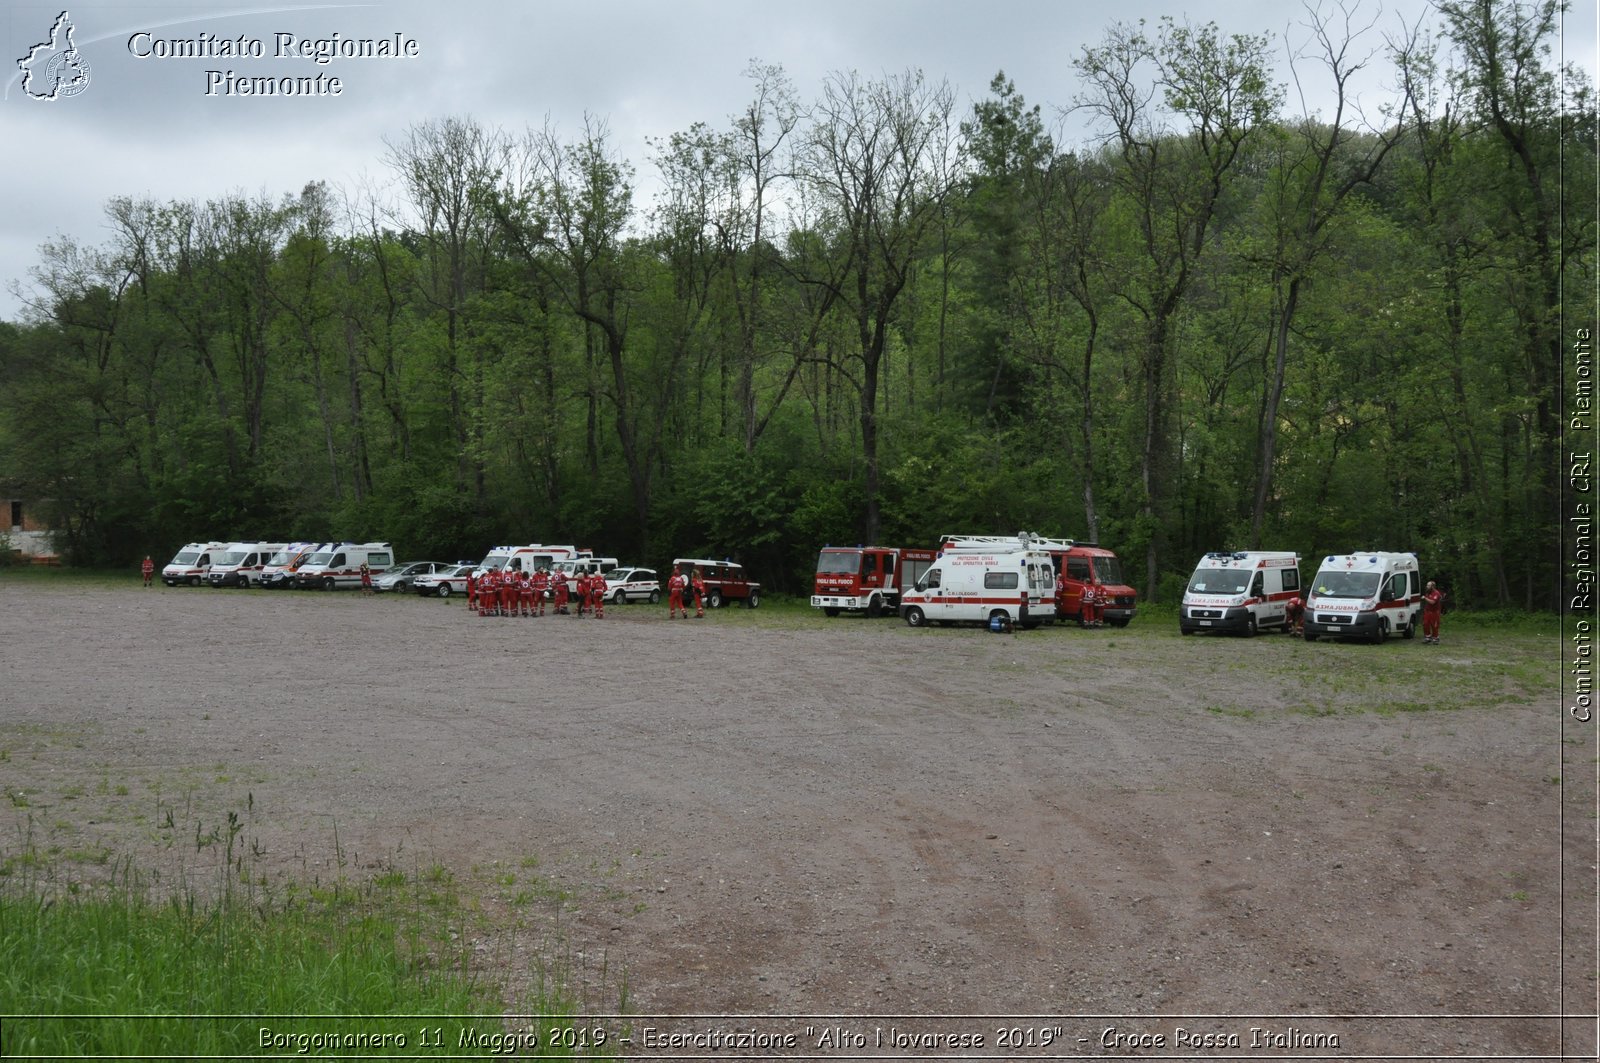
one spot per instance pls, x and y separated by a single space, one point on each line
866 578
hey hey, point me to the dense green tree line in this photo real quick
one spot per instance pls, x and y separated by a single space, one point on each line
1216 322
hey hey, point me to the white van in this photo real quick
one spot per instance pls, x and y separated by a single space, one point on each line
283 566
339 565
1244 591
984 579
192 563
242 564
1371 595
526 558
572 568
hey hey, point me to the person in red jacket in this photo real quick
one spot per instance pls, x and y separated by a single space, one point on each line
697 586
1294 615
1090 609
366 579
539 582
558 591
486 593
1432 611
147 568
597 595
675 587
472 593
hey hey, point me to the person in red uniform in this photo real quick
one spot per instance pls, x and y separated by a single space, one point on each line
1432 610
472 592
697 586
675 587
366 579
147 568
1061 595
1090 609
1294 615
538 583
597 595
485 592
558 592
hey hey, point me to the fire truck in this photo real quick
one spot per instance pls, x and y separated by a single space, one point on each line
867 579
1083 563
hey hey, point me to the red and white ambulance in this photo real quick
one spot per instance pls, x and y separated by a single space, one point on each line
984 579
241 564
192 563
1370 595
868 579
527 558
1244 591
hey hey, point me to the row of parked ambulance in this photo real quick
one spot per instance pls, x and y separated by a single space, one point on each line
319 566
331 566
1369 595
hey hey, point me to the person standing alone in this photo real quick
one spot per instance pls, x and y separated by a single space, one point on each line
1432 610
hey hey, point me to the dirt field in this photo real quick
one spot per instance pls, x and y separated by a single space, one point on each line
769 813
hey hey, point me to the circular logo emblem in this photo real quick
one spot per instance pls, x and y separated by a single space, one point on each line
67 74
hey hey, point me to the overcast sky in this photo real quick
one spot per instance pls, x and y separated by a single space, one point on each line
145 124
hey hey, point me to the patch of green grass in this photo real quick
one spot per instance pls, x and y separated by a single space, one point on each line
116 970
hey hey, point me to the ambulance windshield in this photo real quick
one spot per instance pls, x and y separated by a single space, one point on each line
233 557
1219 581
1347 584
494 562
282 557
187 557
838 563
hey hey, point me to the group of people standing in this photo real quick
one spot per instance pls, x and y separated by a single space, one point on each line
505 593
1091 606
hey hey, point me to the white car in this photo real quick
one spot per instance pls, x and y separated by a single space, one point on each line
405 573
632 585
448 580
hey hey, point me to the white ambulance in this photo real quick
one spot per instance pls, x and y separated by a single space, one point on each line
242 564
339 565
984 579
282 567
1240 590
192 564
526 558
1369 595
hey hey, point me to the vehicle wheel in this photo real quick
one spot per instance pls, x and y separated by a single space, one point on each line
620 597
915 617
1118 623
194 581
754 601
829 610
444 590
1250 627
1383 630
1185 630
328 583
1411 630
874 607
714 600
655 597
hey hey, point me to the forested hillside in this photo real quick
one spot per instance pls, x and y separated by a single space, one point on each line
870 314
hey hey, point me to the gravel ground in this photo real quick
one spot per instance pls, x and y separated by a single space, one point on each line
1113 836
